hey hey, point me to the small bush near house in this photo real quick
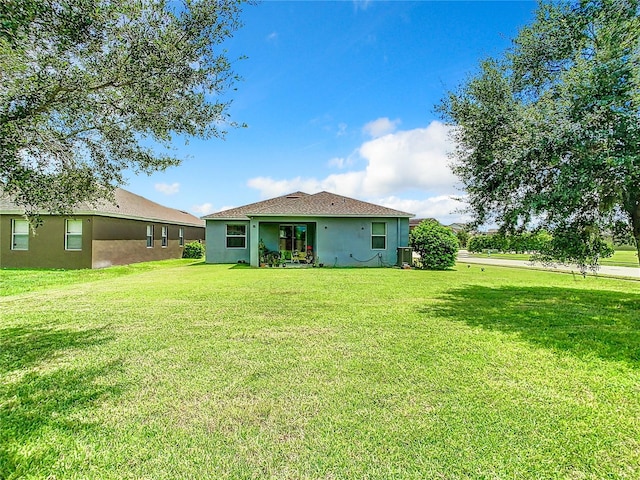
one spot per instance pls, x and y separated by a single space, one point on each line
436 244
193 250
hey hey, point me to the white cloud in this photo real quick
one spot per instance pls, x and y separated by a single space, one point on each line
381 126
441 207
272 37
338 162
207 208
168 189
273 188
404 161
361 4
341 162
225 207
410 159
204 209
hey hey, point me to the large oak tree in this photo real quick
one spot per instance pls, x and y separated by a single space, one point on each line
88 86
548 135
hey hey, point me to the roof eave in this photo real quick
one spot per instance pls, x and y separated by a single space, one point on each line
88 213
317 215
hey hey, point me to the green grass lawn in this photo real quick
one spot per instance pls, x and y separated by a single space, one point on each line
14 281
620 258
210 372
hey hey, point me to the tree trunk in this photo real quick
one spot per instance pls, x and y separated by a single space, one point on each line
635 225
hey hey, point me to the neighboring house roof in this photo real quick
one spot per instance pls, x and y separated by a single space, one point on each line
456 227
414 222
127 205
323 204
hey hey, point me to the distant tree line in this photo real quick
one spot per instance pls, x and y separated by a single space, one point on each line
526 242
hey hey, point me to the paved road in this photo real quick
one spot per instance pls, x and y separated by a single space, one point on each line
628 272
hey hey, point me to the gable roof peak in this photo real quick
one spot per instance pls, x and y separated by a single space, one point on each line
296 195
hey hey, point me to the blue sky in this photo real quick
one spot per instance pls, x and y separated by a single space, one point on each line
340 96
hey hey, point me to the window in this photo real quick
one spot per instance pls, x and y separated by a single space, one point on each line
236 236
149 236
19 235
165 235
73 235
181 236
378 235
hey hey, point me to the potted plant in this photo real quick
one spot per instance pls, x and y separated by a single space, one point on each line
262 253
272 259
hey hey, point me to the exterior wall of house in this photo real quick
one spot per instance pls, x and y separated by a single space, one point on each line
217 250
46 247
118 241
339 242
106 241
346 242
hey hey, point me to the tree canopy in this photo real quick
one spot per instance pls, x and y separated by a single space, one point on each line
86 86
548 135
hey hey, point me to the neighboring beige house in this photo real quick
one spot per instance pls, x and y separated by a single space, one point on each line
132 229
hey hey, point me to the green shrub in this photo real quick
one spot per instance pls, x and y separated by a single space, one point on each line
193 250
463 238
478 243
437 245
518 242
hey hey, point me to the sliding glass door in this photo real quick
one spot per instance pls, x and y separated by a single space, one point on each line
293 238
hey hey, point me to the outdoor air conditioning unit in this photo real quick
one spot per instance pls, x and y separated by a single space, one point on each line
405 256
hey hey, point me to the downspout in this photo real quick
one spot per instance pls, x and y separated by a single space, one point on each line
398 237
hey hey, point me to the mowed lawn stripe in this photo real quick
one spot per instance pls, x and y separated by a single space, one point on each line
201 371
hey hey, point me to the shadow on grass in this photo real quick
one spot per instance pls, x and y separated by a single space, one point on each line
197 263
45 410
583 323
23 347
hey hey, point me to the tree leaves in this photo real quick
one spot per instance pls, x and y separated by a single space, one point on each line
548 135
84 84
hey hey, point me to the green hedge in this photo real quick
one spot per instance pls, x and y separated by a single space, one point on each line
518 243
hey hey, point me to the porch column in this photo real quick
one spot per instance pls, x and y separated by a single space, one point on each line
254 242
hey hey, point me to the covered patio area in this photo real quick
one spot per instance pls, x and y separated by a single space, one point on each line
291 244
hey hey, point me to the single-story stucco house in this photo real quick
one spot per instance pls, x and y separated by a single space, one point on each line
129 230
308 228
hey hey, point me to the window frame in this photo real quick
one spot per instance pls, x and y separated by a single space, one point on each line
164 236
181 236
68 234
377 236
234 236
14 234
150 235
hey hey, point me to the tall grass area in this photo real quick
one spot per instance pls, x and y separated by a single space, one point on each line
214 372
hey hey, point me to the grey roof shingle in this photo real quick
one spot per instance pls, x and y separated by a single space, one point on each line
126 205
304 204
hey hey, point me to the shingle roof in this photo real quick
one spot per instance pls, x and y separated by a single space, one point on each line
126 205
304 204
